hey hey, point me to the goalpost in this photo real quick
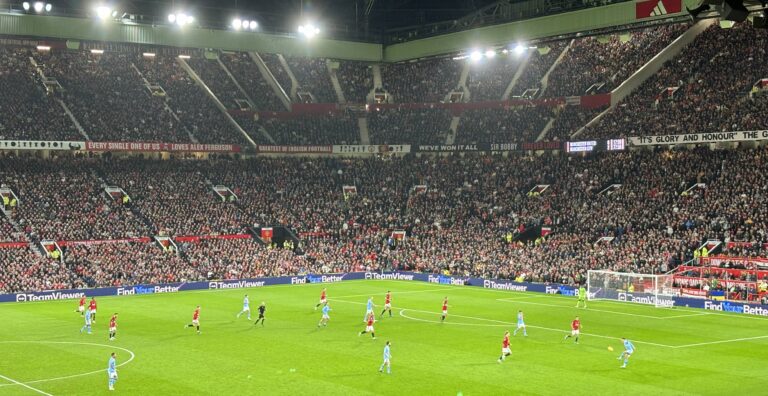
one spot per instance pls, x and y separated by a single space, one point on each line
656 290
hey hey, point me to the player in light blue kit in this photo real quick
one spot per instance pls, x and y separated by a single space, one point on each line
629 348
87 325
246 308
520 324
387 356
112 371
324 320
368 309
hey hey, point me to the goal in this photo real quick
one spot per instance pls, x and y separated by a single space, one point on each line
656 290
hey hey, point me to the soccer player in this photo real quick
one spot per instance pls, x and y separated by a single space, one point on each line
387 357
445 309
87 325
262 309
629 348
324 320
505 351
323 299
195 320
387 304
520 324
81 306
368 308
582 296
113 327
112 371
575 327
246 308
92 308
369 326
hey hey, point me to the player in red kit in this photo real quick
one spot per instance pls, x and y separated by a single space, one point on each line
387 304
505 351
445 309
92 308
323 299
369 326
195 320
81 307
113 327
575 328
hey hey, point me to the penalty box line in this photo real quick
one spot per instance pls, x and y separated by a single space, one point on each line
25 385
500 323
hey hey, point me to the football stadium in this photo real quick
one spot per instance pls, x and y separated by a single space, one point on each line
456 197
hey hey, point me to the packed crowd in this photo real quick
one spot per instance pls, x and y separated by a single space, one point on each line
251 80
519 124
428 81
272 61
710 96
489 79
356 79
198 114
216 78
409 126
313 76
458 223
26 109
606 61
61 199
332 128
568 120
540 60
109 99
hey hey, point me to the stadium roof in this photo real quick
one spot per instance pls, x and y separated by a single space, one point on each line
380 21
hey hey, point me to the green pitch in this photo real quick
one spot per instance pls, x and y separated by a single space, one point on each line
679 351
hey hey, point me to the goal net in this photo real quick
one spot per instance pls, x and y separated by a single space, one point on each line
656 290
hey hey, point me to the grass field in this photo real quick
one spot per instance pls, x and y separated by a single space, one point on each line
679 351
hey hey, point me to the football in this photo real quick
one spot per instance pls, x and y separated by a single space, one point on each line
610 348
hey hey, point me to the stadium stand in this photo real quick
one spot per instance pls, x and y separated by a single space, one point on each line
313 77
427 81
603 62
706 96
460 224
26 110
248 75
538 65
273 64
521 124
332 128
409 126
108 97
488 80
356 80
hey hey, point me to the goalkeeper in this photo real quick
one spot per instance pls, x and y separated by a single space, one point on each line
582 296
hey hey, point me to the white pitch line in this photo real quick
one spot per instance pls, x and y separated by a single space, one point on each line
70 343
600 310
721 342
500 323
394 293
25 385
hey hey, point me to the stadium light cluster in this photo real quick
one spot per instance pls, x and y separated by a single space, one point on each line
244 24
37 6
477 55
104 11
180 19
309 30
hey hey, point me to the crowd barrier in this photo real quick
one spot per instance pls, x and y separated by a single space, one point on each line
496 284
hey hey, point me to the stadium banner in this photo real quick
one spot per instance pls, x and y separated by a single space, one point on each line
458 148
371 148
196 239
104 241
698 138
162 147
13 245
59 145
657 8
272 149
496 284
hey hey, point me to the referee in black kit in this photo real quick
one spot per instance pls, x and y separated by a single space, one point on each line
262 309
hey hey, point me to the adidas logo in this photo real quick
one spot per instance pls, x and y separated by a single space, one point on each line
659 9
